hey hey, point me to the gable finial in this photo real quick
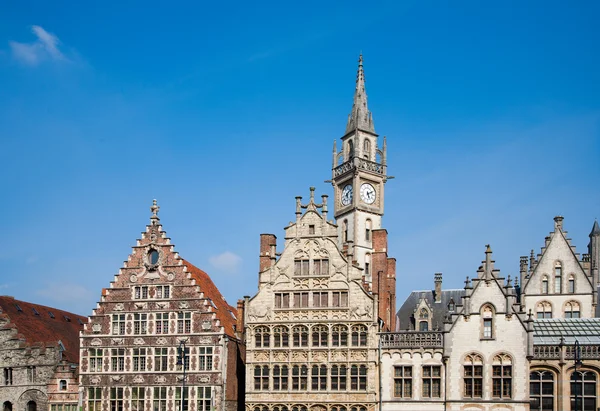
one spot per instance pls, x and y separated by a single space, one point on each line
154 208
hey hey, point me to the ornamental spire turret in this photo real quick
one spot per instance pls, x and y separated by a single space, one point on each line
360 117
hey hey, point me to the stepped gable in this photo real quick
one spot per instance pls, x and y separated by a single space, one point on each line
42 329
224 312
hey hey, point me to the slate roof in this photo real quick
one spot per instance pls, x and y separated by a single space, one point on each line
549 331
39 325
405 316
226 314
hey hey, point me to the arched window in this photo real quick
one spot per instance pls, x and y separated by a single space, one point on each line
423 319
358 377
345 233
261 377
473 376
368 228
545 284
339 336
62 385
7 406
502 376
339 375
541 391
367 264
299 408
300 336
281 336
338 408
319 377
487 321
350 149
367 149
359 335
280 408
572 309
544 310
280 377
31 406
557 278
299 378
262 337
584 384
451 305
319 336
572 284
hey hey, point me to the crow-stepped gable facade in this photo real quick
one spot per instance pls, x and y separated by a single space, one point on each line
311 330
162 337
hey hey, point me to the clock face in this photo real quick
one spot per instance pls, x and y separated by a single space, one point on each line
367 193
347 195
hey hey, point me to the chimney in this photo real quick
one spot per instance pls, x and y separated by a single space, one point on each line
268 243
240 319
437 279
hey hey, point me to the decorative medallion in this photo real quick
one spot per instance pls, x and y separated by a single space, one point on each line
95 380
141 306
119 307
96 342
262 356
205 340
206 325
203 379
160 379
184 305
116 378
162 304
162 341
96 328
138 379
133 278
170 276
139 341
117 341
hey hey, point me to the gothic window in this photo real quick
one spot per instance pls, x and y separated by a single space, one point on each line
502 377
301 267
321 266
403 381
299 378
162 323
319 336
281 336
205 358
261 377
261 337
139 359
358 377
300 336
339 377
432 381
367 264
280 377
451 305
62 385
163 291
368 229
140 323
94 399
358 409
160 399
319 377
423 319
140 292
541 391
473 376
571 284
299 408
572 309
118 324
339 336
423 326
161 359
280 408
301 299
544 310
338 408
320 299
487 318
557 278
184 322
359 336
339 299
544 285
138 397
282 300
118 359
116 398
367 149
584 385
204 397
179 397
350 149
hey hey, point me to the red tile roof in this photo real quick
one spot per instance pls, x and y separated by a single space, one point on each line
39 325
210 290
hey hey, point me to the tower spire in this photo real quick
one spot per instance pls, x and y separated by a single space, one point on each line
360 117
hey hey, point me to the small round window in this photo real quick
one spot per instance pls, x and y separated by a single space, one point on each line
153 257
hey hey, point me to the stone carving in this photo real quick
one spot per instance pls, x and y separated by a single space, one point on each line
259 313
320 283
138 379
119 307
319 356
280 356
116 378
262 356
300 315
184 305
203 379
301 283
141 306
95 380
162 304
139 341
170 276
300 356
206 325
96 328
162 341
339 355
117 341
133 278
358 355
320 315
339 315
160 379
282 315
205 340
361 312
96 342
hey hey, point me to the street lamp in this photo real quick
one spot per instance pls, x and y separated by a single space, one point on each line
577 358
182 359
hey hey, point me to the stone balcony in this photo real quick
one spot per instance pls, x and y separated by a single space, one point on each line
412 339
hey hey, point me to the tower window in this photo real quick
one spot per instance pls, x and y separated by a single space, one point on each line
368 228
367 149
311 229
345 233
350 149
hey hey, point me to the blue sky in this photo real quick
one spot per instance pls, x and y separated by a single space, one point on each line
226 112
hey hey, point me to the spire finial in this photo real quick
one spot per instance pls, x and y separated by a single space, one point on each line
154 210
360 117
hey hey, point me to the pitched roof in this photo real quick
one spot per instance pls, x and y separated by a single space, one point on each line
39 325
225 312
550 331
405 315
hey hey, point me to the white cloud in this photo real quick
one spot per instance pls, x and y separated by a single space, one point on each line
45 47
227 262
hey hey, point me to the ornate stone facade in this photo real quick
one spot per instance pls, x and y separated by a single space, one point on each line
160 315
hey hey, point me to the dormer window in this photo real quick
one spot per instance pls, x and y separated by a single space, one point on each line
451 305
423 320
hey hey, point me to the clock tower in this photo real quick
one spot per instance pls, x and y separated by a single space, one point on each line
359 176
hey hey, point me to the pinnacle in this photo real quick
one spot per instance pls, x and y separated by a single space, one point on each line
154 208
360 117
595 229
